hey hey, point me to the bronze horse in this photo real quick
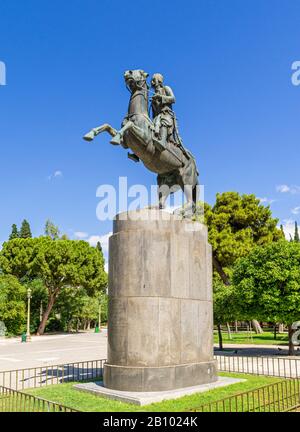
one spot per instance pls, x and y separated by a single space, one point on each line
176 167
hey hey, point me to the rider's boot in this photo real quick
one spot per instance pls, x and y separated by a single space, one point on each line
133 157
160 144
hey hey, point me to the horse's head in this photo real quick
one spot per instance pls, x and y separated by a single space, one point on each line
136 79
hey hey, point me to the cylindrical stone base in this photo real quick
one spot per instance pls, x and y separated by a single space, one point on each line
160 320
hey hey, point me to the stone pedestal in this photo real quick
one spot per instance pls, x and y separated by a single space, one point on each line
160 317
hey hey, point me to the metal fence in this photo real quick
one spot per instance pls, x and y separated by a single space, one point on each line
270 366
281 396
278 397
16 401
21 379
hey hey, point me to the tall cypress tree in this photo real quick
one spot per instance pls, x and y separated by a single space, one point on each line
296 235
25 231
14 232
99 247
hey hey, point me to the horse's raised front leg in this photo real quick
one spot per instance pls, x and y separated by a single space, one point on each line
96 131
138 132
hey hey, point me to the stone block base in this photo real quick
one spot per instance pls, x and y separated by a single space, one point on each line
146 398
149 379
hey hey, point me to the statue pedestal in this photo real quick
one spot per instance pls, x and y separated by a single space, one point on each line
160 316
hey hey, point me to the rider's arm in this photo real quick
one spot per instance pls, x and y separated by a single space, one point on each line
169 98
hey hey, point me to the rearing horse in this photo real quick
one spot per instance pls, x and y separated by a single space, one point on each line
176 168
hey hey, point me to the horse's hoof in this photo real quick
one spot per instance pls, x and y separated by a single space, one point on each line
89 136
178 212
116 140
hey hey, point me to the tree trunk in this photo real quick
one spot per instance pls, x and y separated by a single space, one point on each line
257 327
46 314
291 345
275 331
228 331
220 270
220 337
236 326
88 327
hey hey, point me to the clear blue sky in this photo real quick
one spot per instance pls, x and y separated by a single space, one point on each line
228 62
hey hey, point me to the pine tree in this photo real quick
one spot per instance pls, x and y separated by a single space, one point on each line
282 230
25 231
99 247
296 235
14 232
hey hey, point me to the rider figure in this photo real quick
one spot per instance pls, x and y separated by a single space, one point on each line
164 119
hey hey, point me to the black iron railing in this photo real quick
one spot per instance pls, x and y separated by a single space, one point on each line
270 366
20 379
277 397
16 401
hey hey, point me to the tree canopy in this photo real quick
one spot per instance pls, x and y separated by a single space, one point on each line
14 232
236 224
58 264
12 303
267 283
25 231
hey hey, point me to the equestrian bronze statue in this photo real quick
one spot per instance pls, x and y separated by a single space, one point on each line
156 142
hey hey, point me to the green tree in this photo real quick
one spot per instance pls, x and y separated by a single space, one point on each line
267 284
77 308
236 224
296 234
98 246
68 306
224 306
25 231
12 304
14 232
58 264
51 230
39 300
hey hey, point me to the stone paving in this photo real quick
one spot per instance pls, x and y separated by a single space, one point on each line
51 350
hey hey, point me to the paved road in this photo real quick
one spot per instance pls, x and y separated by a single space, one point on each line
51 350
68 348
258 350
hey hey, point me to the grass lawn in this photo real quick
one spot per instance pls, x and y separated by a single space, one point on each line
266 338
65 394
